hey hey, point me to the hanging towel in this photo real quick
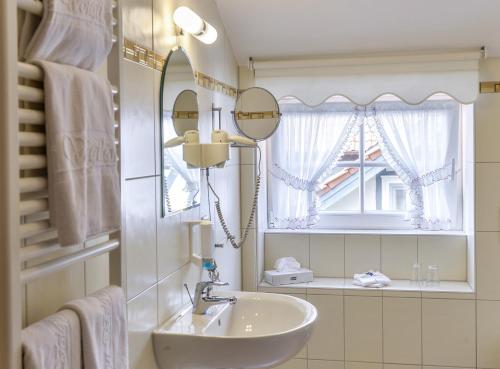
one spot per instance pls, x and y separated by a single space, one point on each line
371 279
104 328
73 32
84 185
53 342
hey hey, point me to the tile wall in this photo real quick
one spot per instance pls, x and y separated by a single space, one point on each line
157 249
405 329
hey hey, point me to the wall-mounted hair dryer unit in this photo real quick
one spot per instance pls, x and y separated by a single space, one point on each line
206 155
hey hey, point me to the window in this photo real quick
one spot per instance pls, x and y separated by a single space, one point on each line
388 165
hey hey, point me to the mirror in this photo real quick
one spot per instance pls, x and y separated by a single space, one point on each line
185 112
180 185
257 113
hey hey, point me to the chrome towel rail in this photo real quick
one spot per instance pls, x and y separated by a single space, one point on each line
55 265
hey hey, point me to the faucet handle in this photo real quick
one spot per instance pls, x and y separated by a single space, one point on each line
201 286
218 283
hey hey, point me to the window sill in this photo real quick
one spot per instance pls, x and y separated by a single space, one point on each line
398 288
365 231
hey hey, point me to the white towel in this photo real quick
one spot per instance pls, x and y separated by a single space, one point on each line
73 32
371 279
104 328
84 185
53 342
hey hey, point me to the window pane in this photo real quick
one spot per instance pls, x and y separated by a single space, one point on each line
340 192
372 148
384 191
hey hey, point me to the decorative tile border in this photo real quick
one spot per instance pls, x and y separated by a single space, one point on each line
147 57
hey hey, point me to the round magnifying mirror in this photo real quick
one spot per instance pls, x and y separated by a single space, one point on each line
185 112
257 113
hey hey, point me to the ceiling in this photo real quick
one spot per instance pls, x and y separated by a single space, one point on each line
281 29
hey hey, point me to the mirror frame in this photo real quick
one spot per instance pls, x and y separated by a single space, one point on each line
235 122
164 213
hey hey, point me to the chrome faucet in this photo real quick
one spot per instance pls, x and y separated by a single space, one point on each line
203 300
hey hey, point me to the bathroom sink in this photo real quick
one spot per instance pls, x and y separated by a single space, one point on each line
260 331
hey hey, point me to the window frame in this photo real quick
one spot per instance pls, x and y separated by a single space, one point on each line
366 219
397 222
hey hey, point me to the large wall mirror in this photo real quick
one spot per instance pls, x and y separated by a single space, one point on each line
180 185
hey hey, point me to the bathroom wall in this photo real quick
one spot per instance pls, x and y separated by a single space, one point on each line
398 329
157 249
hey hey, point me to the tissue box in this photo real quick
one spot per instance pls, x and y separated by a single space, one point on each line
276 278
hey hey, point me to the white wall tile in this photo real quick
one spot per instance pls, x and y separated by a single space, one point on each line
293 364
449 332
142 320
170 291
140 234
362 253
401 366
96 273
402 346
172 249
399 253
249 278
44 296
488 334
443 367
487 115
247 186
327 341
487 197
361 365
363 328
137 121
488 257
448 252
281 245
324 364
137 21
327 255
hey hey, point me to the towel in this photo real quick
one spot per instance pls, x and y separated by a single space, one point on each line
73 32
371 279
287 264
84 185
104 328
53 342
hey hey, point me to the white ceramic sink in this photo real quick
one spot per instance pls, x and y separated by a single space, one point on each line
260 331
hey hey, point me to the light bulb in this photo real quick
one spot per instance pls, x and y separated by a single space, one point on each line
192 23
188 20
208 36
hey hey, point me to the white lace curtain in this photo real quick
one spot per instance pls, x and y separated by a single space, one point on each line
419 142
305 148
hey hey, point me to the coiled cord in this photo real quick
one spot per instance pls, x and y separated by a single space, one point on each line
218 209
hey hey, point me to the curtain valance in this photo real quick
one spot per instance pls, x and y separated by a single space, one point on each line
411 77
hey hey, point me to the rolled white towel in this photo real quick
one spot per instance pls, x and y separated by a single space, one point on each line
371 279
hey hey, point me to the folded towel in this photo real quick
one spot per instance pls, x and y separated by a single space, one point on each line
53 342
371 279
73 32
84 185
286 264
104 328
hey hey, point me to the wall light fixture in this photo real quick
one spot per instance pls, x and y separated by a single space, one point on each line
192 23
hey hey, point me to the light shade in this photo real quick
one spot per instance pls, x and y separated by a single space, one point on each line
192 23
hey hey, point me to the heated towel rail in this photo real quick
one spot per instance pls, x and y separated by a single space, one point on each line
37 238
